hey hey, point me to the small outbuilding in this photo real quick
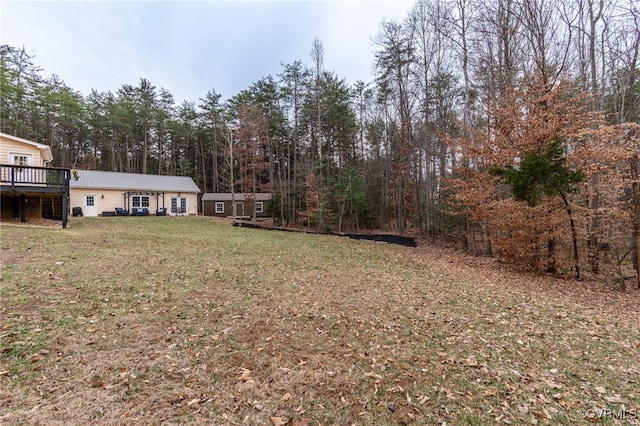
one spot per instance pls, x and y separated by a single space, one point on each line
223 204
100 193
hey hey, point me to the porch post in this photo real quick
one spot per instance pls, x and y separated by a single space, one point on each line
66 176
65 209
23 208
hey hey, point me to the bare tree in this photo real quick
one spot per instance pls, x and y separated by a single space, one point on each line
253 152
317 56
393 61
547 39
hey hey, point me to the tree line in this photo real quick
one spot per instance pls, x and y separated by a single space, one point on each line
509 127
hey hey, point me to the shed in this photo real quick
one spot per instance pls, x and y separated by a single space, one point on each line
222 204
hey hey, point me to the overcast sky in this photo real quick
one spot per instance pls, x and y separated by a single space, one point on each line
191 47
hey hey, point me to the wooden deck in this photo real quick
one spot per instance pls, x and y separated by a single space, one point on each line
49 186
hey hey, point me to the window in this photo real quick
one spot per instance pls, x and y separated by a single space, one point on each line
259 207
90 200
219 207
19 174
140 201
20 160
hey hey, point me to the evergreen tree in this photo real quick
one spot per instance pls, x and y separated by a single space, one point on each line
540 174
544 174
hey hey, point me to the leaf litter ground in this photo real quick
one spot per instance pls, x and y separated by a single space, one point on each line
192 321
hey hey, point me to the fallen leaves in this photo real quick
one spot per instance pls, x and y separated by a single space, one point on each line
492 391
616 399
471 361
278 421
285 397
391 338
194 401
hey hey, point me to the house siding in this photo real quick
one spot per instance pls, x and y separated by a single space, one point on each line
112 188
209 205
10 145
116 198
111 200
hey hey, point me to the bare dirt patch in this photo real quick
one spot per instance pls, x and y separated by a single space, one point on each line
32 222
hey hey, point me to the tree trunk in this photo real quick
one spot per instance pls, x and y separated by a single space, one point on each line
203 171
574 236
635 239
145 148
231 180
214 159
488 250
594 255
160 149
551 255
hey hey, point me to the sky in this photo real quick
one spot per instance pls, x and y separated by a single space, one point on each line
193 47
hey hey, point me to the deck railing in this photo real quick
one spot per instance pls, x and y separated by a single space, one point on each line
34 176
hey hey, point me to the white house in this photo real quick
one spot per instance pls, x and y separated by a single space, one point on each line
23 152
99 193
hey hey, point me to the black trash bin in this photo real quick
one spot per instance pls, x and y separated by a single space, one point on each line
76 211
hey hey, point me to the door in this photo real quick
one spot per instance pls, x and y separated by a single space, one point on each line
238 208
90 205
179 206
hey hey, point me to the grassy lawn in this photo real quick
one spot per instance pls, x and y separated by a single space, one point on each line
161 320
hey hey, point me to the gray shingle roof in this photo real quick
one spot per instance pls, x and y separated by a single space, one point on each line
133 182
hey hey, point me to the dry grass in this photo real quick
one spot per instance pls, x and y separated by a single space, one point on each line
164 320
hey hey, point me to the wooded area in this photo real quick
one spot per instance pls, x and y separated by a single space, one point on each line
511 127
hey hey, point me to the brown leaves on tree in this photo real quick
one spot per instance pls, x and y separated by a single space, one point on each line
528 121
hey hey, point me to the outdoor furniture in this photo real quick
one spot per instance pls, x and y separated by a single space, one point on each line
140 211
161 212
121 212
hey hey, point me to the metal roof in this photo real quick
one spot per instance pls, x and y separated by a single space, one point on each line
226 196
133 182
